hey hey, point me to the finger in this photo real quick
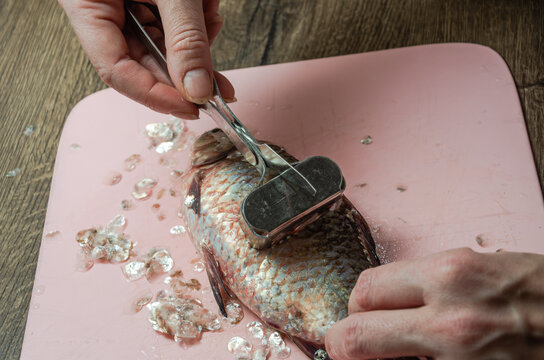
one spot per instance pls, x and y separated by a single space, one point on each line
390 286
144 15
132 79
139 53
98 26
378 334
225 87
157 36
214 22
187 48
211 6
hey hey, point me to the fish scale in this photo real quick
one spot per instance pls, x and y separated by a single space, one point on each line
300 286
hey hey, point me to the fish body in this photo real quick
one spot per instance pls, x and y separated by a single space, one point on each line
300 286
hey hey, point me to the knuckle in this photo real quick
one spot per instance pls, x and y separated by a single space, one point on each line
362 292
353 346
148 102
149 99
117 74
453 266
105 74
188 39
463 328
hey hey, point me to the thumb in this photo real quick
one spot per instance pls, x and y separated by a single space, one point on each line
187 48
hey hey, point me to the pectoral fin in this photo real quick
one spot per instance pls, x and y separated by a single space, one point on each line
216 280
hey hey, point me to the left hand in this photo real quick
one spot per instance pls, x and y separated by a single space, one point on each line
457 304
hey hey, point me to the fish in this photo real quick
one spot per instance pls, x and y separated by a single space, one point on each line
300 286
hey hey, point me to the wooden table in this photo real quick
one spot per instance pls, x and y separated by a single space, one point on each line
44 73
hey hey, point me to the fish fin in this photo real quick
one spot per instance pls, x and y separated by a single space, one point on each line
194 192
363 230
226 289
216 281
310 348
217 273
211 147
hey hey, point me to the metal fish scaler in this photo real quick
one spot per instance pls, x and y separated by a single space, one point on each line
300 286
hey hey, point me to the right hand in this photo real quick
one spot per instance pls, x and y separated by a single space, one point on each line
190 26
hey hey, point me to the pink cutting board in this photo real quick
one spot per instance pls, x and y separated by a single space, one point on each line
447 128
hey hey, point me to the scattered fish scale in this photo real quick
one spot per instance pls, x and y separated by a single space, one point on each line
107 243
177 230
240 348
157 261
278 346
142 301
235 312
256 329
126 204
143 189
199 266
182 318
167 136
132 161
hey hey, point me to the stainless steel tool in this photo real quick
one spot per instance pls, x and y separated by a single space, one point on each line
296 196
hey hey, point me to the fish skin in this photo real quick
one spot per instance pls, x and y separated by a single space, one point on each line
300 286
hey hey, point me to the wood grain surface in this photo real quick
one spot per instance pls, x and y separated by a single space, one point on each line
44 73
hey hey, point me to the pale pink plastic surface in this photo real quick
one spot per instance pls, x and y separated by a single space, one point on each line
446 125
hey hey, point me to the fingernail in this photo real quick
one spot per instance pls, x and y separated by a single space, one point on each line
198 86
185 116
231 100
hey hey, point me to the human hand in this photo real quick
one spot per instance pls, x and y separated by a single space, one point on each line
190 26
457 304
